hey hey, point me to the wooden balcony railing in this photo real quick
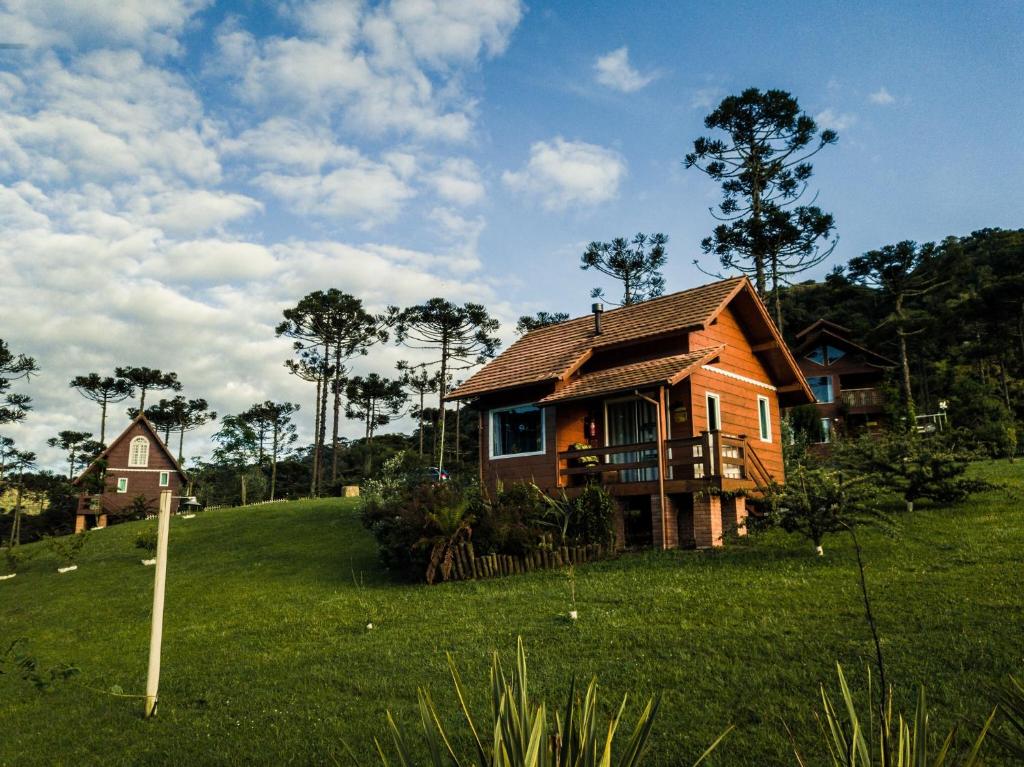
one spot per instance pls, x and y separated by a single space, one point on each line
854 398
90 504
711 456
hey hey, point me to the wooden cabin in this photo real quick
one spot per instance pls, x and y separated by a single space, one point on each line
663 402
845 378
137 463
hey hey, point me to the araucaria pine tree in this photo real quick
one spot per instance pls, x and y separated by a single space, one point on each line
103 390
14 407
764 171
636 263
458 336
146 379
374 401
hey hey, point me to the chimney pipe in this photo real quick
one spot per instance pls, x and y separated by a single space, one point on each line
598 310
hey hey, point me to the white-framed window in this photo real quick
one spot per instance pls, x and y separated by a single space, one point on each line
165 479
138 452
517 431
714 412
821 386
122 484
764 418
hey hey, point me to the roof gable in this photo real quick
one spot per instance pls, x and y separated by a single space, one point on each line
144 423
554 352
814 333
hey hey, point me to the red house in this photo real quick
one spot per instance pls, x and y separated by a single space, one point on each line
135 464
660 402
845 377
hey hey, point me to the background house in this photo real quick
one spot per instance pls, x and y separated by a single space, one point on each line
847 379
664 403
137 464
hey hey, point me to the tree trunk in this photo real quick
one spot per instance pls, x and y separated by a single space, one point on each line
337 406
142 400
908 394
421 423
368 463
16 525
242 477
316 444
776 295
181 443
755 220
103 422
323 424
458 429
273 462
440 399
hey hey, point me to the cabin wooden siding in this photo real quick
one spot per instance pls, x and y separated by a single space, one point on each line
737 399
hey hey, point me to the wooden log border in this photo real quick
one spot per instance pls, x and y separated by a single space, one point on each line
467 565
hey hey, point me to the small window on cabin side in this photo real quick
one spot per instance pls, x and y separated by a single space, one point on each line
764 419
138 452
122 484
165 478
517 431
821 386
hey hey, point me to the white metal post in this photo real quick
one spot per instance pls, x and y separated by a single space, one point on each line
160 581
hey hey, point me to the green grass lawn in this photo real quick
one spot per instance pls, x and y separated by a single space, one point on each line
267 658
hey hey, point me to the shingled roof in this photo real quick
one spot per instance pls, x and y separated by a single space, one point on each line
556 351
664 370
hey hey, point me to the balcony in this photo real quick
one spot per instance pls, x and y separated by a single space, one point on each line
725 461
863 399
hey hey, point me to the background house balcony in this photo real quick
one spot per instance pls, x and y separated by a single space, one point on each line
863 399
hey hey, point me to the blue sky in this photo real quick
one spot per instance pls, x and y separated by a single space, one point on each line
172 175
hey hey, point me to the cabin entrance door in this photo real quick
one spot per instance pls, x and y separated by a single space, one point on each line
632 421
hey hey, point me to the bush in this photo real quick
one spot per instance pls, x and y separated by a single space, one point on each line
68 547
913 466
147 540
418 523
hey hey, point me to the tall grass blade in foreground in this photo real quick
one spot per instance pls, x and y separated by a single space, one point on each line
520 734
890 742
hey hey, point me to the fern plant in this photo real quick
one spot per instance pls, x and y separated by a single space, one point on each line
520 733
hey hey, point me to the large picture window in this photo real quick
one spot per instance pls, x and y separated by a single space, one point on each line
821 386
517 431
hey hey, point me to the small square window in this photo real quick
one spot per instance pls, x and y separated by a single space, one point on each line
122 484
165 478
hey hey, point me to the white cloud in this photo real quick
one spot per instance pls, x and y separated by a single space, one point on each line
569 173
881 97
86 23
458 180
133 212
614 71
392 69
705 98
837 121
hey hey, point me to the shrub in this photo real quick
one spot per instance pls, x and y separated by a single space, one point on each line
68 547
818 501
593 517
147 540
914 467
521 734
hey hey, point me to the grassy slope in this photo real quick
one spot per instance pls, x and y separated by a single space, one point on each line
266 658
